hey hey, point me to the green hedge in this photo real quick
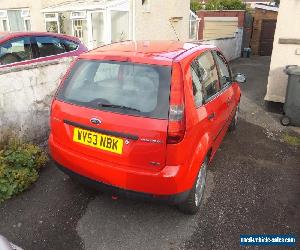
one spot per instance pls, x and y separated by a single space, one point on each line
19 166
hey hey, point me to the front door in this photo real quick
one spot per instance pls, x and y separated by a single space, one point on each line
226 95
80 30
267 37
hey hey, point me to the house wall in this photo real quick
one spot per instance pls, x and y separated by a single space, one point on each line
25 96
155 24
259 15
35 6
288 24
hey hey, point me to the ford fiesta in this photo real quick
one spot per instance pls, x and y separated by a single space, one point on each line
145 118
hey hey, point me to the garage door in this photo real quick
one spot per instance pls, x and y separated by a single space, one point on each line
267 37
219 27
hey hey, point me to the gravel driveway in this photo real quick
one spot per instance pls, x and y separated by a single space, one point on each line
253 187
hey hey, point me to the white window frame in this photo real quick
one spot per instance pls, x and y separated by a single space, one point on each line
27 19
78 15
3 14
52 19
4 17
25 14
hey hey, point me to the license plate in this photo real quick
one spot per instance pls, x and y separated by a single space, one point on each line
97 140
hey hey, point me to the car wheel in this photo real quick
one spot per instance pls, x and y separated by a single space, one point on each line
193 202
234 122
285 120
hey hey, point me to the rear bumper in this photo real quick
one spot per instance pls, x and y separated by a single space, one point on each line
170 199
167 184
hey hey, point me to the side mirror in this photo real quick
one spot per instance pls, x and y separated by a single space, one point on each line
240 78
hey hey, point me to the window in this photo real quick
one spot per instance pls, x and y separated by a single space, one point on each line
16 50
27 24
196 84
224 71
49 46
52 22
69 46
15 20
80 29
5 25
122 87
204 78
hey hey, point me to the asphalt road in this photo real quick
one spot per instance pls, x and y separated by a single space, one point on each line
253 186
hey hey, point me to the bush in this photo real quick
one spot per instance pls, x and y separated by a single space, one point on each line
195 5
225 5
19 165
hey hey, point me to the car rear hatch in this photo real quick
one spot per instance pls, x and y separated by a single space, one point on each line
115 112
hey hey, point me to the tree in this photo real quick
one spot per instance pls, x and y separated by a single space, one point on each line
225 5
195 5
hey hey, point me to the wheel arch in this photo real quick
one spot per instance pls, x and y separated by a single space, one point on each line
203 150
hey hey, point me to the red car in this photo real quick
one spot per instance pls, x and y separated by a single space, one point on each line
145 118
19 48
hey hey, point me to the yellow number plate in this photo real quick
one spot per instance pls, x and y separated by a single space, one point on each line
96 140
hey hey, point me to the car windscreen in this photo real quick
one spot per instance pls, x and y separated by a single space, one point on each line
121 87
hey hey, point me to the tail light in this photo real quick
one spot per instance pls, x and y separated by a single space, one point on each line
176 129
60 85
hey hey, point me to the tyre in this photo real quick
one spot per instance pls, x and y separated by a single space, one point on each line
285 120
234 122
193 202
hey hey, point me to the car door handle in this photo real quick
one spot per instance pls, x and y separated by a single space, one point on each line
211 116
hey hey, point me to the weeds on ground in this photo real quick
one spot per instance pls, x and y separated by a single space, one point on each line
291 140
19 166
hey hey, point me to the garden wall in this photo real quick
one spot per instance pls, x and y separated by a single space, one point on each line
25 97
231 47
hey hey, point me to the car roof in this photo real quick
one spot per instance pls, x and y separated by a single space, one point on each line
163 51
9 35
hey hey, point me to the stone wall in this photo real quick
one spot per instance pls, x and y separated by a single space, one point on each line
25 96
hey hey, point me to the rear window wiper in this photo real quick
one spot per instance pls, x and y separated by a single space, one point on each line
117 106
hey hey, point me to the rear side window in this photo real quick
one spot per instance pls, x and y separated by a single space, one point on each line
16 50
49 46
121 87
205 78
197 85
224 70
69 46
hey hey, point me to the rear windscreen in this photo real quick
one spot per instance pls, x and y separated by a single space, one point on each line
121 87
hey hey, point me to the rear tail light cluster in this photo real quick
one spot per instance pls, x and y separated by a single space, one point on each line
176 129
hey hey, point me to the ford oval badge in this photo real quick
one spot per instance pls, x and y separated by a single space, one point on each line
95 121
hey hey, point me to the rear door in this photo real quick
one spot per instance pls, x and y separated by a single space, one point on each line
115 112
205 87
